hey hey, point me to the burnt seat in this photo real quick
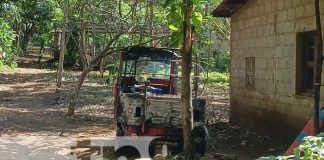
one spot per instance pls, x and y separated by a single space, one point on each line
164 84
127 83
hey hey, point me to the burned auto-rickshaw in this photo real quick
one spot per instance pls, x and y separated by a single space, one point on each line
146 99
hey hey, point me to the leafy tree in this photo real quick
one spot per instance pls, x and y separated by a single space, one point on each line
194 28
119 25
35 13
211 34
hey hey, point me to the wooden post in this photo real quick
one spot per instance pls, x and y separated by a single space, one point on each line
196 74
317 85
62 48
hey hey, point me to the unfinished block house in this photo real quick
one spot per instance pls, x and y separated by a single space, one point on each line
273 55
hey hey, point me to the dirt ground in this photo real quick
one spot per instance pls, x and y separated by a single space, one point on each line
31 105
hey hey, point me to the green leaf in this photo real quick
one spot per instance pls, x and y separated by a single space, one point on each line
198 17
173 28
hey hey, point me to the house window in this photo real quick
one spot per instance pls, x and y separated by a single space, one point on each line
306 59
250 72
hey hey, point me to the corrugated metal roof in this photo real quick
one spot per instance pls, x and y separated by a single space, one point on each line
227 7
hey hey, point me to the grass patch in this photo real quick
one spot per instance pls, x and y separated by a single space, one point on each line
7 68
218 80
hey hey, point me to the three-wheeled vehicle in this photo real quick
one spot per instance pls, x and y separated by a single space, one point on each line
146 99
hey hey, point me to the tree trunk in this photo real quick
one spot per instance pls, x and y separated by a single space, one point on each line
17 30
62 48
186 92
317 85
75 94
27 36
84 46
41 51
56 50
107 51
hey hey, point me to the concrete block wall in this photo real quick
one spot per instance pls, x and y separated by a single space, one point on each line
267 30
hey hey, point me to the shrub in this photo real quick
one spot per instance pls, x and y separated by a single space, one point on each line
216 77
311 148
7 36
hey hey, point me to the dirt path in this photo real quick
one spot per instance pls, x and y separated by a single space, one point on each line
30 104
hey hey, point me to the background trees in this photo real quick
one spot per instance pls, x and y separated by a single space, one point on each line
35 15
39 22
97 28
28 18
91 30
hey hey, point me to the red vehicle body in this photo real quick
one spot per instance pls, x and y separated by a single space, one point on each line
146 100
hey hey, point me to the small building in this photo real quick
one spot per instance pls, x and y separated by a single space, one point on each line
273 61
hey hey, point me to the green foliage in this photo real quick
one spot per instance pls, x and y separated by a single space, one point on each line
218 80
38 10
7 36
43 16
113 69
311 148
59 15
218 62
28 18
211 33
7 67
36 18
201 20
9 11
1 65
216 77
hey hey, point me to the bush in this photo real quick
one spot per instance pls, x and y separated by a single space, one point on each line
216 79
219 62
311 148
7 36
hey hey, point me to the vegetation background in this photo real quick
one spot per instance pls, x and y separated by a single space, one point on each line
97 29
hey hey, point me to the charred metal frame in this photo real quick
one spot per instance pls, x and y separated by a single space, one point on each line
146 125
